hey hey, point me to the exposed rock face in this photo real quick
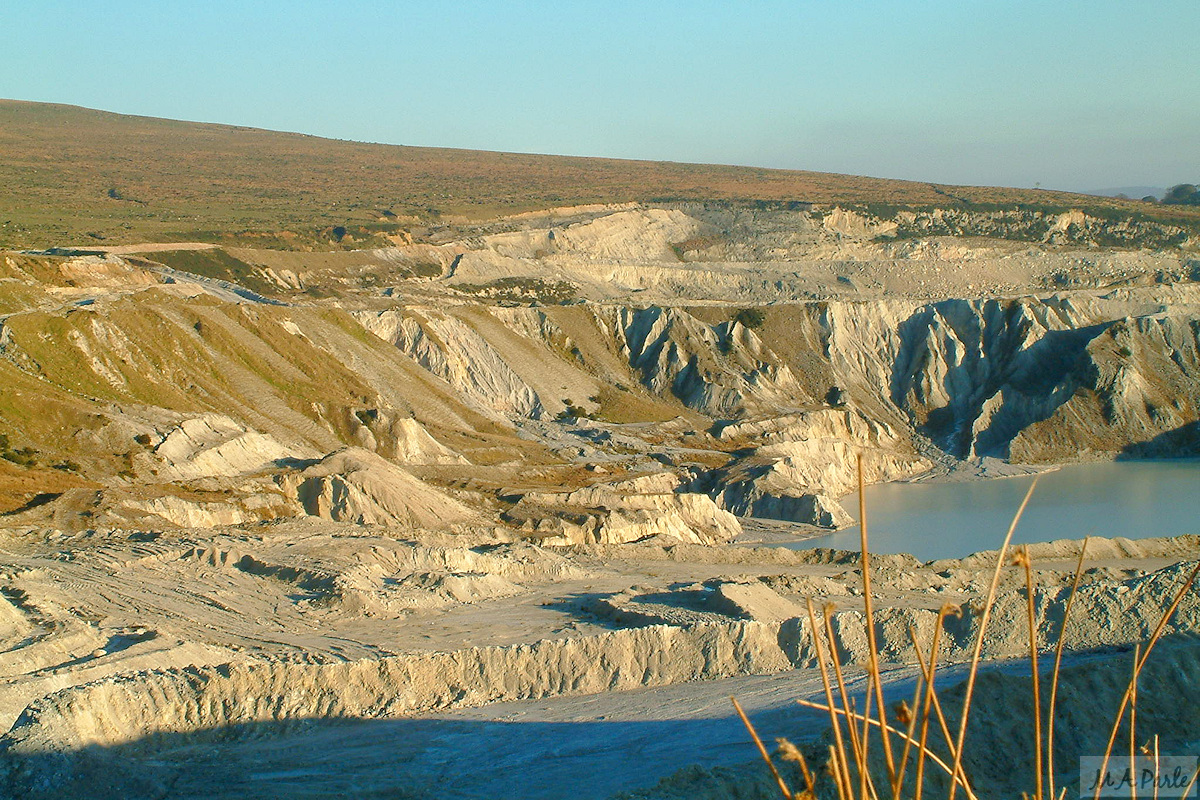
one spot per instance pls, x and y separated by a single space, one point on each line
716 369
355 485
803 461
717 252
979 377
194 699
1034 379
414 445
453 350
1070 227
241 509
212 450
589 380
624 512
813 323
637 236
1134 385
213 445
89 272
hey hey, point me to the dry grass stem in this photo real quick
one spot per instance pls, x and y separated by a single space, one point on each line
929 692
1133 723
978 650
842 766
928 673
855 740
1058 654
1141 663
783 787
789 752
872 644
1191 784
853 715
1027 564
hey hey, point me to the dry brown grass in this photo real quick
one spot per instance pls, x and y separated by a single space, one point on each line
19 485
74 175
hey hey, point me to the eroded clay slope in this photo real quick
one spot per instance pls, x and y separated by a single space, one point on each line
191 404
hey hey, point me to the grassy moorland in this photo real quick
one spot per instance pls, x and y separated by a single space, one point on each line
73 176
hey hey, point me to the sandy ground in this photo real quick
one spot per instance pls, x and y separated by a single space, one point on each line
152 247
80 609
585 747
106 634
590 747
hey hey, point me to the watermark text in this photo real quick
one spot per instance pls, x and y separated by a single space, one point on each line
1118 778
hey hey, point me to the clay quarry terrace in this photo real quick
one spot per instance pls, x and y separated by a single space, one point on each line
502 499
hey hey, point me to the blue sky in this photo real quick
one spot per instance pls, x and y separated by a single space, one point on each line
1071 95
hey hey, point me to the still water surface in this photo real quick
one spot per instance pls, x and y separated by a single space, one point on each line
1135 499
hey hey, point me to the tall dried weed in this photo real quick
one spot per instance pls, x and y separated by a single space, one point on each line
907 728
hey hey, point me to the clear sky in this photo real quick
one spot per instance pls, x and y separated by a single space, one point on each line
1070 95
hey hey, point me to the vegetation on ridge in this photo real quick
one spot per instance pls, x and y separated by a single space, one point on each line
74 176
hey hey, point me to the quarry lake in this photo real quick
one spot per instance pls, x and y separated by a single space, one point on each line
1135 499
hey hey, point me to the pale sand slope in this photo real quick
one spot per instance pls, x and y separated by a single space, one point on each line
674 742
586 747
297 621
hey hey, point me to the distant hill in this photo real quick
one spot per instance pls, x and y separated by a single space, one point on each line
72 176
1133 192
